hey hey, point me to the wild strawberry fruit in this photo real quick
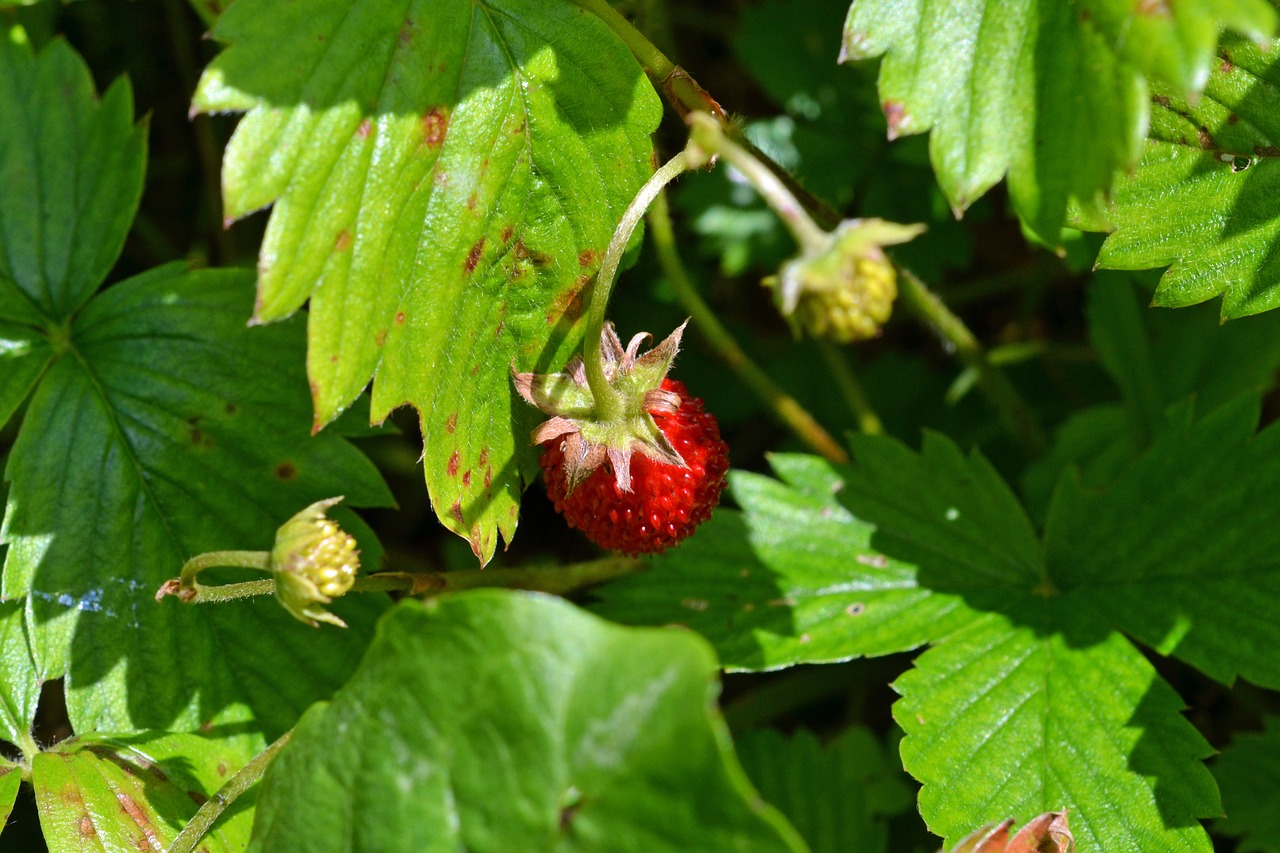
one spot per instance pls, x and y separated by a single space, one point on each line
637 467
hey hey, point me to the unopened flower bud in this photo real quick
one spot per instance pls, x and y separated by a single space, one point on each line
844 290
313 562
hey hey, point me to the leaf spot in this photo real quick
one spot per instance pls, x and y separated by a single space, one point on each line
805 638
473 257
452 423
380 339
343 241
488 477
399 318
456 510
895 113
855 609
364 129
697 605
435 124
875 561
466 478
587 257
286 471
506 234
453 464
87 829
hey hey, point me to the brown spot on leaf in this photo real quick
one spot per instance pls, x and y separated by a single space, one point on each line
380 339
473 257
452 423
569 303
333 359
456 511
1161 100
506 234
488 477
1233 118
1266 150
222 769
343 241
1206 141
894 113
286 471
466 478
406 32
198 798
232 408
87 829
364 129
453 464
399 318
484 456
587 257
1227 65
435 124
471 201
497 330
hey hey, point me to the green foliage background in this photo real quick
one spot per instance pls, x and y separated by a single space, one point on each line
984 623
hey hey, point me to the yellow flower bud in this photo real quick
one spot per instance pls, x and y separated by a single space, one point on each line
845 290
313 562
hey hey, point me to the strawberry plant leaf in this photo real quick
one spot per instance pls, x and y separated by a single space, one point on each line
72 169
1051 94
10 781
136 793
166 428
482 721
841 561
445 177
20 686
1201 199
1158 360
1180 550
1248 774
24 352
1001 717
837 795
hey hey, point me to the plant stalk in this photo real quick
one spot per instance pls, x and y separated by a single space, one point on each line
785 408
850 388
209 813
1013 411
608 404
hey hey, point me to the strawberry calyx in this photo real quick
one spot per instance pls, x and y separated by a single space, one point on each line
604 411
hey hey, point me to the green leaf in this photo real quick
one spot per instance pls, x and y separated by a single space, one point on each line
1011 720
837 795
164 429
19 681
1201 199
24 352
445 176
1052 94
841 561
1180 551
136 793
1159 360
492 720
1248 773
72 169
10 781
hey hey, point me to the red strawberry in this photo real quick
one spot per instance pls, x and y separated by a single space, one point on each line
630 458
666 502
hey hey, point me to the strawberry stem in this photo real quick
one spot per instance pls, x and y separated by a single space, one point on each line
607 402
709 134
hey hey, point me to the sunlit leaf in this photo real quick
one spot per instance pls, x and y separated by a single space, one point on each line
499 721
445 177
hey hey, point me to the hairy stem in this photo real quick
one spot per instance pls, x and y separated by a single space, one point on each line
1014 413
710 136
850 388
606 399
783 406
209 813
560 580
